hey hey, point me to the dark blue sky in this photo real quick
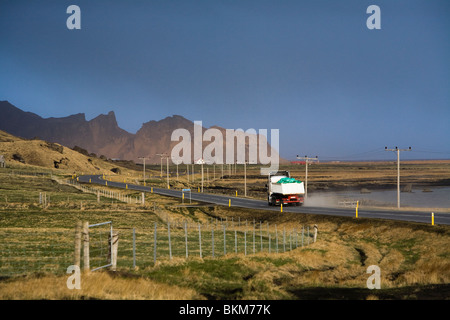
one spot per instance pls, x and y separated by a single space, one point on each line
312 69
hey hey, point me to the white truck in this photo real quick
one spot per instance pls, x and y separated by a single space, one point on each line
282 189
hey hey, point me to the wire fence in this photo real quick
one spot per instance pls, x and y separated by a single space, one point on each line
106 193
26 251
163 242
28 173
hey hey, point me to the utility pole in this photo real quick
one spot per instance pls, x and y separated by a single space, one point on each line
168 185
177 163
164 156
398 170
202 162
187 172
161 157
143 158
307 160
245 178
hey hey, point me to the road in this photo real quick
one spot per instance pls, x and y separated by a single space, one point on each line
412 216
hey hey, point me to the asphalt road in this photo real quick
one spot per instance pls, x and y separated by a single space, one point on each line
412 216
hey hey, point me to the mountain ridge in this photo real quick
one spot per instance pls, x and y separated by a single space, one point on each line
102 134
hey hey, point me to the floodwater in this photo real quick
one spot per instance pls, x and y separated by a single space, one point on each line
439 197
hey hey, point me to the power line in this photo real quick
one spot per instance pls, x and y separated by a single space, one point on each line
435 152
354 155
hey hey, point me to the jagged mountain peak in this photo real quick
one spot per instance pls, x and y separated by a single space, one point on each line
101 135
109 118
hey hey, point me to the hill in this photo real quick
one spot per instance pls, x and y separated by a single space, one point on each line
100 135
21 153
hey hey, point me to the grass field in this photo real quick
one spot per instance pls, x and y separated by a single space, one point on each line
414 258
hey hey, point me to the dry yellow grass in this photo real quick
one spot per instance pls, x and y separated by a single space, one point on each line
98 285
40 154
407 254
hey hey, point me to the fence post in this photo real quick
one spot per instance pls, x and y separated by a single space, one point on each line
276 238
86 266
303 232
254 249
245 241
154 248
315 232
284 239
134 249
170 243
113 249
77 254
290 241
235 240
224 240
186 238
200 239
260 236
269 244
212 238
